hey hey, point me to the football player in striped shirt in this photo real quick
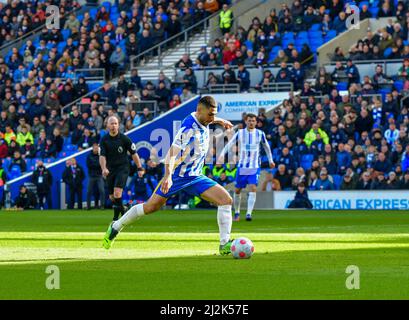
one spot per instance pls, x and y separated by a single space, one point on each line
183 171
249 140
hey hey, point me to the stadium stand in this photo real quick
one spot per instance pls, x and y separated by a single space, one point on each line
347 124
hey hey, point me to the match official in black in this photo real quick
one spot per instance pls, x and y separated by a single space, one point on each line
114 148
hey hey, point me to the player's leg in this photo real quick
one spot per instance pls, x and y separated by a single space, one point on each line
219 196
117 203
133 214
154 204
120 178
236 202
251 201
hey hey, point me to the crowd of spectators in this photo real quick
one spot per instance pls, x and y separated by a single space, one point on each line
327 139
339 144
390 42
20 17
38 80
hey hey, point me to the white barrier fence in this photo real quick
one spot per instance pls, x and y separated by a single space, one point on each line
349 200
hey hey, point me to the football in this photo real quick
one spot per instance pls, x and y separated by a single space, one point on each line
242 248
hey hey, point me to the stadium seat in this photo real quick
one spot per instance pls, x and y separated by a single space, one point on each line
398 84
374 11
14 172
66 33
342 86
363 3
107 5
387 52
314 35
337 181
177 91
306 161
93 12
69 147
315 27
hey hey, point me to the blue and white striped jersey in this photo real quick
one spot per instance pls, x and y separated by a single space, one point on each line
193 140
249 149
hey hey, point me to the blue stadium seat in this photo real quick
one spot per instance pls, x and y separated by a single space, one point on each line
249 45
177 91
374 11
94 85
337 181
364 3
387 52
114 17
69 147
331 34
14 172
301 42
342 86
288 36
315 27
107 5
61 46
306 161
301 35
93 12
6 164
272 56
398 84
314 35
66 33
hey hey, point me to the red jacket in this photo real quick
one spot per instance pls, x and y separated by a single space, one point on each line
228 56
4 150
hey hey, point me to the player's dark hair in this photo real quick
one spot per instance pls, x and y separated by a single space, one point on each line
208 102
251 115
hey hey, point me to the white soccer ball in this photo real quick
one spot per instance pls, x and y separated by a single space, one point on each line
242 248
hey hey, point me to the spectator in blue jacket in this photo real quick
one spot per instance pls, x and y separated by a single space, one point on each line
301 199
323 182
344 158
288 160
352 72
297 75
243 77
382 165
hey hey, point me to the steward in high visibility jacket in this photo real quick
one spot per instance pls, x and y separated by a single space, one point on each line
226 19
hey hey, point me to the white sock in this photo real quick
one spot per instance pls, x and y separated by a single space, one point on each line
133 214
250 202
237 201
224 219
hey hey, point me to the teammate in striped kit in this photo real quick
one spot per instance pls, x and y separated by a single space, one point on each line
249 140
183 171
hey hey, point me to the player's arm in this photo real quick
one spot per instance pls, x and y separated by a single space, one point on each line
180 145
170 164
103 159
267 149
225 123
227 147
131 148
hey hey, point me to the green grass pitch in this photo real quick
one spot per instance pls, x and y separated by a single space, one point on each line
173 255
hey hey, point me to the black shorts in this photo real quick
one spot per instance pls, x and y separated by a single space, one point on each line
117 179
